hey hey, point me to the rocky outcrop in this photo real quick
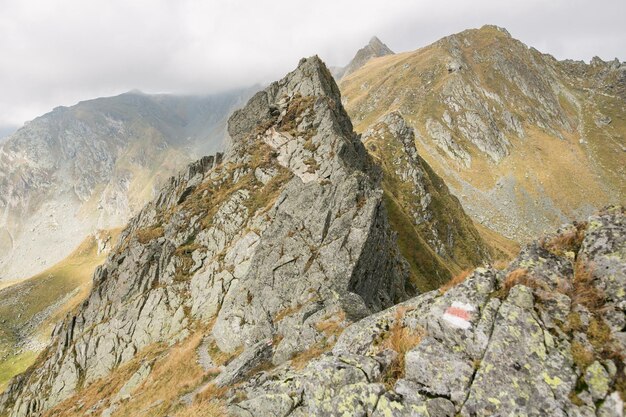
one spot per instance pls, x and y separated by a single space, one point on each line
543 337
424 198
286 231
374 49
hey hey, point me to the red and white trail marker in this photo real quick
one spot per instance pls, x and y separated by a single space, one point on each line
459 315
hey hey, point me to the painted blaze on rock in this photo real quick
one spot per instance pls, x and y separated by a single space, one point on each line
459 315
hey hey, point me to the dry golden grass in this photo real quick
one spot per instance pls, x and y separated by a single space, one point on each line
173 375
103 388
211 392
500 264
203 409
302 359
332 327
222 358
519 277
146 235
570 241
288 311
456 280
400 339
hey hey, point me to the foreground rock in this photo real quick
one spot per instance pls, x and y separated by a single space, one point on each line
544 337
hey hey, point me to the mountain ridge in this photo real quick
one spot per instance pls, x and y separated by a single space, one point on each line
500 122
311 270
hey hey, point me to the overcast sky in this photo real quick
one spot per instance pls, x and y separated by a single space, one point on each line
57 52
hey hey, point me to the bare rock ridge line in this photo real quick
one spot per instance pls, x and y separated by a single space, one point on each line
286 231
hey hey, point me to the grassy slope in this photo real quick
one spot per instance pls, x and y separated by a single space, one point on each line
30 308
175 372
428 269
412 82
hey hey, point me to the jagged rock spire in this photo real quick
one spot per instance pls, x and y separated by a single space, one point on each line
283 232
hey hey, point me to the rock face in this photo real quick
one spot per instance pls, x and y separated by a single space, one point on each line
422 210
93 165
287 230
374 49
501 122
543 337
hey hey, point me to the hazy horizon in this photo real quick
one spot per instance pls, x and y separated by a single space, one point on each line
70 51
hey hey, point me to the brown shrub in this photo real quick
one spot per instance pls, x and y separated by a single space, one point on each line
599 334
518 277
583 291
400 339
581 355
567 242
454 281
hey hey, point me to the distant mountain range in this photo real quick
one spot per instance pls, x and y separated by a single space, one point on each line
91 166
6 131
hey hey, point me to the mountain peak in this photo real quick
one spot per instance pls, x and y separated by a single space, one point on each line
302 118
375 48
311 78
378 47
485 28
375 42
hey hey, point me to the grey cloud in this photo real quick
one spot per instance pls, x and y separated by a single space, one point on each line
60 52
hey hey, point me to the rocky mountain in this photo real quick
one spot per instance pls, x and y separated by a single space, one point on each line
375 48
29 309
6 131
525 141
91 166
251 264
